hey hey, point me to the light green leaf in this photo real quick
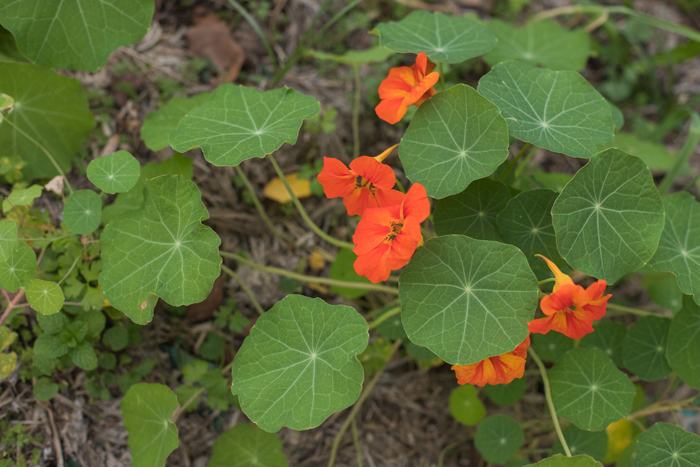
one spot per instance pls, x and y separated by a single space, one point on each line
618 119
299 364
419 352
114 173
555 110
552 346
44 389
44 296
561 461
160 250
506 394
159 124
83 355
454 138
683 344
591 443
498 438
465 405
526 222
472 212
608 337
147 410
21 197
82 212
552 180
679 247
467 299
356 57
654 155
77 35
540 43
443 38
609 218
8 238
238 123
589 390
50 110
667 445
19 268
342 269
247 445
644 351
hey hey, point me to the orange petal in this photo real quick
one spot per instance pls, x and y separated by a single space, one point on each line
373 265
391 110
382 156
359 201
560 300
337 180
416 203
379 174
421 88
561 278
405 244
373 229
386 198
421 63
521 349
398 83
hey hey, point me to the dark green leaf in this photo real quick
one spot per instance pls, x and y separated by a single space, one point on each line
683 344
498 438
84 356
561 461
591 443
663 289
667 445
506 394
552 346
8 238
644 350
608 337
82 212
116 338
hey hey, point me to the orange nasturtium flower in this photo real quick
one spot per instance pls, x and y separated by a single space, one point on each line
404 86
501 369
570 309
366 184
386 238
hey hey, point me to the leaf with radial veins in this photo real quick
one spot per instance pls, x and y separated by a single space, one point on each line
238 123
8 238
446 39
46 297
551 346
561 461
644 348
683 345
160 250
667 445
609 218
299 363
114 173
498 438
160 123
246 445
608 337
76 35
590 443
467 299
19 268
679 247
555 110
589 390
82 212
454 138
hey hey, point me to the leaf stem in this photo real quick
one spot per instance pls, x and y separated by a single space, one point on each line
546 281
633 311
550 403
356 442
181 408
691 142
393 312
256 27
513 162
245 288
356 112
664 406
302 211
442 78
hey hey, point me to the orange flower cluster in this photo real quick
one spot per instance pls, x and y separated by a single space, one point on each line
501 369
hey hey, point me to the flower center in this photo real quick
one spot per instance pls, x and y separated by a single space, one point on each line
396 227
364 183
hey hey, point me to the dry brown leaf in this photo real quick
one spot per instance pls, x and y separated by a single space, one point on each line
55 185
211 37
277 191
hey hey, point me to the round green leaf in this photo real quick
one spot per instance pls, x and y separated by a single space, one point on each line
116 337
472 212
299 363
561 461
392 328
21 197
19 268
540 43
159 124
238 123
663 290
147 410
342 269
247 445
49 109
465 405
591 443
454 138
44 296
160 250
555 110
683 344
679 247
506 394
526 222
82 212
667 445
608 337
115 173
467 299
498 438
644 351
8 239
77 35
552 346
443 38
589 390
609 218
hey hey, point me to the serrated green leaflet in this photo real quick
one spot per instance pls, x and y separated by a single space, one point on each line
609 218
8 237
498 438
472 212
589 390
526 222
19 268
82 212
467 299
77 35
342 269
551 346
644 351
679 247
683 344
454 138
663 290
506 394
83 355
115 173
591 443
44 296
299 364
21 197
158 125
44 389
147 410
556 110
667 445
561 461
356 57
238 123
608 337
540 43
247 445
443 38
51 110
465 405
160 250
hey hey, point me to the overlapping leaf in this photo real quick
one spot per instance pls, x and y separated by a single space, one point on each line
17 270
506 394
590 443
644 351
247 445
114 173
667 445
683 345
8 237
608 337
562 461
663 290
158 125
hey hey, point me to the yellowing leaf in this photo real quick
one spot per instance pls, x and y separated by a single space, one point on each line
316 261
619 437
277 191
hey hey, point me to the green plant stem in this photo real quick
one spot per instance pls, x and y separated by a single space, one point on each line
302 211
259 207
546 281
691 142
181 409
256 27
393 312
51 239
632 311
71 269
45 151
442 78
303 278
356 112
334 19
550 403
513 162
245 288
446 449
664 406
526 162
356 442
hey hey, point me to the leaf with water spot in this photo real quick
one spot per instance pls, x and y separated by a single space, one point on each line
683 345
644 350
246 445
666 445
114 173
82 212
